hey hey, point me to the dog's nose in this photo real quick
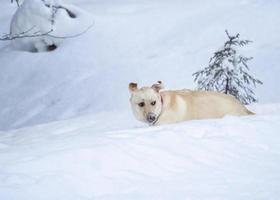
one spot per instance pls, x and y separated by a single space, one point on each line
151 117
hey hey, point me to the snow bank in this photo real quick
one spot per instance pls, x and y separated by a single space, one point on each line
112 156
51 21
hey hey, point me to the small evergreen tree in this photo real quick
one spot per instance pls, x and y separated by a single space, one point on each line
227 72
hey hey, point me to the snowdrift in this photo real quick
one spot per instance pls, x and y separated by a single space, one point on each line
49 21
111 156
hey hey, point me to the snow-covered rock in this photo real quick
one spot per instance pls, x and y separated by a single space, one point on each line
50 21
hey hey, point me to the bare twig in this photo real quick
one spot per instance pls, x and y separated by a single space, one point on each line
25 34
12 1
70 13
73 36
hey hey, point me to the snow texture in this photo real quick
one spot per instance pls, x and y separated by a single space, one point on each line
111 156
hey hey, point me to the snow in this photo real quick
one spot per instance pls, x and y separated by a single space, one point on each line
67 131
111 156
50 21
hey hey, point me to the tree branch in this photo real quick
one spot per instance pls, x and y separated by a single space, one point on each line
12 1
24 34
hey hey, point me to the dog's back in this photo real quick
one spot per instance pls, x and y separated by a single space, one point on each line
181 105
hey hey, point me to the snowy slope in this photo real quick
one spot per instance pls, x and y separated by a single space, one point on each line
111 156
141 41
102 152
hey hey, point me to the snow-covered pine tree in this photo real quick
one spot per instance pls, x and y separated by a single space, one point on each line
228 72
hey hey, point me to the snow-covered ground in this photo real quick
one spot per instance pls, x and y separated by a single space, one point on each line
67 132
111 156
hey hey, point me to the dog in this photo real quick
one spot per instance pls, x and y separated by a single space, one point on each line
154 107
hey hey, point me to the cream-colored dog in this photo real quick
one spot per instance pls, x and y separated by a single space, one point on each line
155 107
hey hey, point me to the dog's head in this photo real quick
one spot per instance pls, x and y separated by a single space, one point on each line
146 102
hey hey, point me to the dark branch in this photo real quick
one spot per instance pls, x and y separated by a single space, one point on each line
12 1
73 36
25 34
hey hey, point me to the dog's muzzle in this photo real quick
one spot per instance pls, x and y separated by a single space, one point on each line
151 117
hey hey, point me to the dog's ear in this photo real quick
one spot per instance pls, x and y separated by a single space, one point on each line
132 87
157 86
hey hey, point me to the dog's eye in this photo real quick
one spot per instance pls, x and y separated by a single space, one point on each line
142 104
153 103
